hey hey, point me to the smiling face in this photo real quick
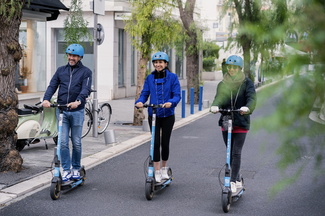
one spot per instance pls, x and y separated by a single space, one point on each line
233 69
159 65
73 59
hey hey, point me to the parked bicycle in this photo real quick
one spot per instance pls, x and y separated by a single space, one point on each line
104 113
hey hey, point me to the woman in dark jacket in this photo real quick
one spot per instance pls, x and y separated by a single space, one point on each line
163 88
235 91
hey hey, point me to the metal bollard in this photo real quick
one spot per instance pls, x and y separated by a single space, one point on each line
109 136
145 125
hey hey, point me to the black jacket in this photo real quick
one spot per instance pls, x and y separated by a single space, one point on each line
74 84
225 97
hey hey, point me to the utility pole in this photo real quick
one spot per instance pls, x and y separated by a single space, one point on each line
98 9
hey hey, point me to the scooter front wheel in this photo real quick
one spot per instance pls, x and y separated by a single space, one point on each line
149 190
226 201
55 190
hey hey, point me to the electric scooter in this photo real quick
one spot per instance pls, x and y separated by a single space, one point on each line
151 185
34 124
227 197
57 185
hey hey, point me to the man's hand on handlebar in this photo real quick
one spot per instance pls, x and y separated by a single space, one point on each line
46 104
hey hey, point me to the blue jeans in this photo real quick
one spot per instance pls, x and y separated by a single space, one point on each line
72 121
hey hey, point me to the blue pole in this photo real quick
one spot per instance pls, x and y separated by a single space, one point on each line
200 98
192 100
183 103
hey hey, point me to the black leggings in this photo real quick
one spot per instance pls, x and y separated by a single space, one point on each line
164 127
237 143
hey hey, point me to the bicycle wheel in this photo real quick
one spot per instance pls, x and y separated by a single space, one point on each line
104 117
88 121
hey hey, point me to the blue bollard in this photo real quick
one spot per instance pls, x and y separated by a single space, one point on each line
183 103
200 98
192 100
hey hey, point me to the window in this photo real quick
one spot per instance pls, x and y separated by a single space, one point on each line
133 65
121 58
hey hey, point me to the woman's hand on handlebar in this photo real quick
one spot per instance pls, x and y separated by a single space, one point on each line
167 105
46 104
214 109
139 105
244 110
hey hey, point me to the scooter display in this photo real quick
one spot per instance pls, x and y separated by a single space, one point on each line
35 124
151 186
57 185
227 197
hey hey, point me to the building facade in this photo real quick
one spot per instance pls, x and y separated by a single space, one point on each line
117 59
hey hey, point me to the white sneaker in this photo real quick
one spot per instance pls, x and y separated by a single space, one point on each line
233 187
239 184
164 173
158 176
76 174
66 175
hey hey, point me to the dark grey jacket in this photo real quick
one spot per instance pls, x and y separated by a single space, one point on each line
74 84
225 97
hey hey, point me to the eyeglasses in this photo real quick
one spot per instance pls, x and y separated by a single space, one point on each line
234 67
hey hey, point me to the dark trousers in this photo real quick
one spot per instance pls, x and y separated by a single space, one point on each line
164 127
237 143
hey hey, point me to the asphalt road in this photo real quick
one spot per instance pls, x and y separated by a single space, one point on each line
116 187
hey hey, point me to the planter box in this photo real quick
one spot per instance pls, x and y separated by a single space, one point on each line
215 75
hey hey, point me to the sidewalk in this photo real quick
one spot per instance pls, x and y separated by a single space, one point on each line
36 174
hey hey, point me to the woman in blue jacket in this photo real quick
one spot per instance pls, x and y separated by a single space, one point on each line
163 88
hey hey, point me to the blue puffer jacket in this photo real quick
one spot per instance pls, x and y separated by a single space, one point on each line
74 84
161 91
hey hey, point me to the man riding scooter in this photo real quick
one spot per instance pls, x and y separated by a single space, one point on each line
74 82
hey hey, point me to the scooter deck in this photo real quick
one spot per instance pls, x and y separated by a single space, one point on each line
67 184
239 192
164 183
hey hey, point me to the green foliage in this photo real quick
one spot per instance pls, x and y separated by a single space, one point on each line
9 9
210 49
210 53
299 137
75 27
152 25
209 63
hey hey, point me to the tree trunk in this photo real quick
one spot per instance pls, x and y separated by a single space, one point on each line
193 79
141 75
11 53
192 52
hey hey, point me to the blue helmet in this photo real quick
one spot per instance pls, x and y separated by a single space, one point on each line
235 60
160 56
75 49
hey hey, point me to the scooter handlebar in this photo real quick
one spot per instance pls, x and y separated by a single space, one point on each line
228 111
59 105
153 105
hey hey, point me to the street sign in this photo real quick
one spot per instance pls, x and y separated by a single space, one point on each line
99 7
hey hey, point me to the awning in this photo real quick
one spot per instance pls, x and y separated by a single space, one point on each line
51 7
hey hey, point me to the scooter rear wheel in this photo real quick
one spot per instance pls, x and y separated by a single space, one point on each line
55 190
225 198
83 174
149 190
